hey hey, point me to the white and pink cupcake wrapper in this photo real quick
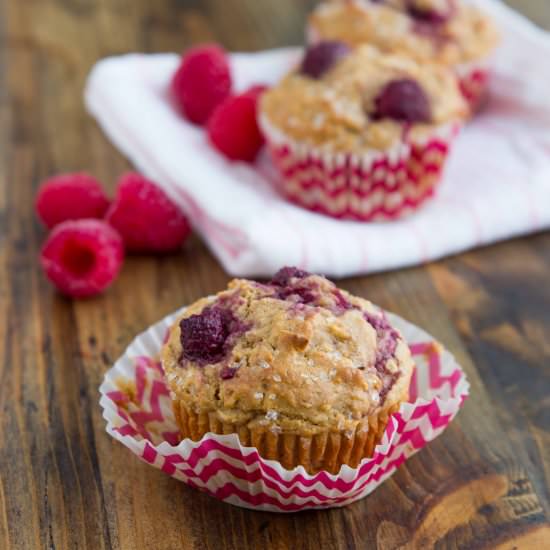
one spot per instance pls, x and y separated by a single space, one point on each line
372 186
137 408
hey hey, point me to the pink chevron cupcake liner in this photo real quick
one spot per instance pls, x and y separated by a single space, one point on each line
138 411
374 186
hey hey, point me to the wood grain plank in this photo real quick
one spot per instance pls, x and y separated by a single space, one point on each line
504 322
412 294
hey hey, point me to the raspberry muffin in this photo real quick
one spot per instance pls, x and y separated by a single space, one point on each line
303 371
449 32
358 134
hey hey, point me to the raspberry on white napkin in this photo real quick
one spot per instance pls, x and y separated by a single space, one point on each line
497 183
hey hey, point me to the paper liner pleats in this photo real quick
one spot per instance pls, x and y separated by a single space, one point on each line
372 186
138 411
322 451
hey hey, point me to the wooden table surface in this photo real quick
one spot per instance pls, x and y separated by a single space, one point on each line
67 484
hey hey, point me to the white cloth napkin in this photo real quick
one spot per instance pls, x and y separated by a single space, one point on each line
497 183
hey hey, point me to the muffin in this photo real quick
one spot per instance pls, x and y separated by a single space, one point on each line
358 134
449 32
303 371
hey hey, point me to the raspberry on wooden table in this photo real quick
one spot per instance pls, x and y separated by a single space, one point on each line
146 218
82 257
70 197
201 82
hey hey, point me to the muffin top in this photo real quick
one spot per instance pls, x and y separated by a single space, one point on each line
445 31
344 100
296 354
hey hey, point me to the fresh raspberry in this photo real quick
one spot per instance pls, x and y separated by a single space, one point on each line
284 276
70 197
82 257
233 128
203 336
322 56
201 82
145 217
403 100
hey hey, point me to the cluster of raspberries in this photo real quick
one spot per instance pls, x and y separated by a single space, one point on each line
202 89
89 234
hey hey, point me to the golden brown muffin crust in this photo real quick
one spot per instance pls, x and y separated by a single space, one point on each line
468 34
301 363
333 111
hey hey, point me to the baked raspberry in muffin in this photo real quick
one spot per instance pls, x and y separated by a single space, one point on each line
359 134
303 371
449 32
